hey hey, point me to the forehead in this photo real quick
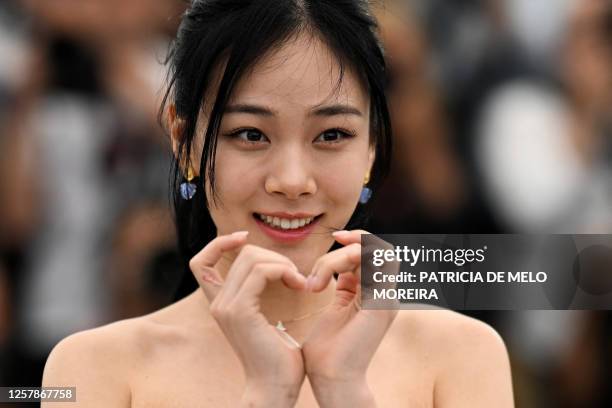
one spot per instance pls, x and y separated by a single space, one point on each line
303 73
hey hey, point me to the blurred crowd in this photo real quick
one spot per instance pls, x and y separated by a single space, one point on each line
502 119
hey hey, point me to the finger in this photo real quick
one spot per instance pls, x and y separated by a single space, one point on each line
249 256
343 260
368 247
347 282
202 265
209 284
347 288
355 236
263 273
212 253
349 237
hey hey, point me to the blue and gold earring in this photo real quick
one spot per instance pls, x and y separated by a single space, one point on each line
188 189
366 192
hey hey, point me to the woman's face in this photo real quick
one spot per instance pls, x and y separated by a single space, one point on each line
293 148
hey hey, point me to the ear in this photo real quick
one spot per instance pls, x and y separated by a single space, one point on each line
176 126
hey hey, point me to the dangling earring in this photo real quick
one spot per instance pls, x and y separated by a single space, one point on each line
188 189
366 193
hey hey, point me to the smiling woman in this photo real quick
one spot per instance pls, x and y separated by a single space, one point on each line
293 144
278 121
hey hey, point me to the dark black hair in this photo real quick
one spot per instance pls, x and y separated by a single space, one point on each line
239 33
607 25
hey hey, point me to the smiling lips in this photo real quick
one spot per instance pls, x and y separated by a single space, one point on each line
286 227
285 223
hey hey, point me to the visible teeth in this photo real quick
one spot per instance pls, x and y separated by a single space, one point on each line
284 223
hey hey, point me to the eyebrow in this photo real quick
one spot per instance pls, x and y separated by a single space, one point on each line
328 110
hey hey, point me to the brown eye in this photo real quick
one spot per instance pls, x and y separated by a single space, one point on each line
333 136
252 135
249 136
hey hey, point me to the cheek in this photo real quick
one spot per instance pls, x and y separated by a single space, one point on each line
340 184
341 180
234 187
234 184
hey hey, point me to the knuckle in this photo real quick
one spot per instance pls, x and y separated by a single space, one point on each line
284 259
247 252
354 253
263 270
355 249
232 310
258 269
249 249
217 312
225 313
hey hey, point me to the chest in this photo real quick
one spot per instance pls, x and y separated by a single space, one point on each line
213 378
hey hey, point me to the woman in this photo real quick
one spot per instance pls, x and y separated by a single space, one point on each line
282 105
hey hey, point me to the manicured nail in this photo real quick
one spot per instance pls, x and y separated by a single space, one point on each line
210 279
340 233
240 234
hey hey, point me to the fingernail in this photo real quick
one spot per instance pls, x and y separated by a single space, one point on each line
210 279
240 234
340 233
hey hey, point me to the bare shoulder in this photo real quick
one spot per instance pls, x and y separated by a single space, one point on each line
470 359
94 362
101 362
446 329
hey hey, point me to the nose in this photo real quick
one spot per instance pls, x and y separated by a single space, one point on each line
290 174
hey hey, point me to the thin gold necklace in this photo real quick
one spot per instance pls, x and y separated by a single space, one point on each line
280 325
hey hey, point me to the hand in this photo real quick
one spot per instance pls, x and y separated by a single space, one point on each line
340 347
272 366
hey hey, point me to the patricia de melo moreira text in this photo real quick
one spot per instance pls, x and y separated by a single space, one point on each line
457 256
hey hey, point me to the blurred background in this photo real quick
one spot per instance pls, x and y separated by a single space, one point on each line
502 117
